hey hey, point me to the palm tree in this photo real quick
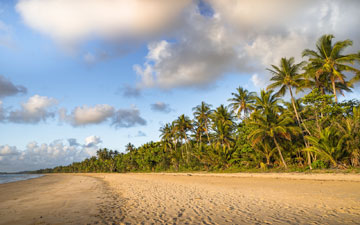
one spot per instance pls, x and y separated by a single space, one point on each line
328 60
274 127
285 77
129 147
350 135
327 145
166 135
267 102
265 149
183 124
223 127
242 100
202 114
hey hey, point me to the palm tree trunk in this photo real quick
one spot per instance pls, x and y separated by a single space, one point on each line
279 150
299 123
187 150
207 132
334 89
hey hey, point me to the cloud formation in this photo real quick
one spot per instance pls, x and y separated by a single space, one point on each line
161 107
7 88
243 36
38 156
35 110
194 43
87 115
128 118
69 21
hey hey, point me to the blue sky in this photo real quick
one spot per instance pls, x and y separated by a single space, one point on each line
109 73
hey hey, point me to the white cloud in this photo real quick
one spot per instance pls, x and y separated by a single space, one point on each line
86 115
8 150
38 156
201 54
187 48
36 109
243 36
92 141
69 21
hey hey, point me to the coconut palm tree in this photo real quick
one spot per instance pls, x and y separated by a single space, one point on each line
267 102
166 136
183 124
202 114
329 61
223 127
268 123
274 127
350 135
242 101
285 77
328 145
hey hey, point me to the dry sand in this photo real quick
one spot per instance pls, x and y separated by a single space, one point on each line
183 199
55 199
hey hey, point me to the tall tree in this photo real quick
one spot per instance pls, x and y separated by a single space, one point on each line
183 124
202 114
328 60
274 127
242 101
267 102
166 135
286 77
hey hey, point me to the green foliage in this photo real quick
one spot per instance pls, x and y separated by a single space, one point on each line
268 134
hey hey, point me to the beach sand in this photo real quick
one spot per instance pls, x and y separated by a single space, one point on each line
183 199
54 199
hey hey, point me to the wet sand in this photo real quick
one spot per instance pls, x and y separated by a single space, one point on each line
182 199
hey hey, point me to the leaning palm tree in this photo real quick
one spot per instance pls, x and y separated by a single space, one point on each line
202 114
242 101
328 60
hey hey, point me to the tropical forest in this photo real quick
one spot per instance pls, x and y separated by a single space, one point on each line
296 123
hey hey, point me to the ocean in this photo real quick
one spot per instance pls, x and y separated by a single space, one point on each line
6 178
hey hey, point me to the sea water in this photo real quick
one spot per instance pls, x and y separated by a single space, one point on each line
6 178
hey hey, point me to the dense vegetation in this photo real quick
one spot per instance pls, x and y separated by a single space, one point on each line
260 130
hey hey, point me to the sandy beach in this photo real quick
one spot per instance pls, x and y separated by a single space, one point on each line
182 199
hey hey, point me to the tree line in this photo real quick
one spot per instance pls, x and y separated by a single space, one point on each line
260 130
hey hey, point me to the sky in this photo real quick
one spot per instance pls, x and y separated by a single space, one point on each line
79 75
